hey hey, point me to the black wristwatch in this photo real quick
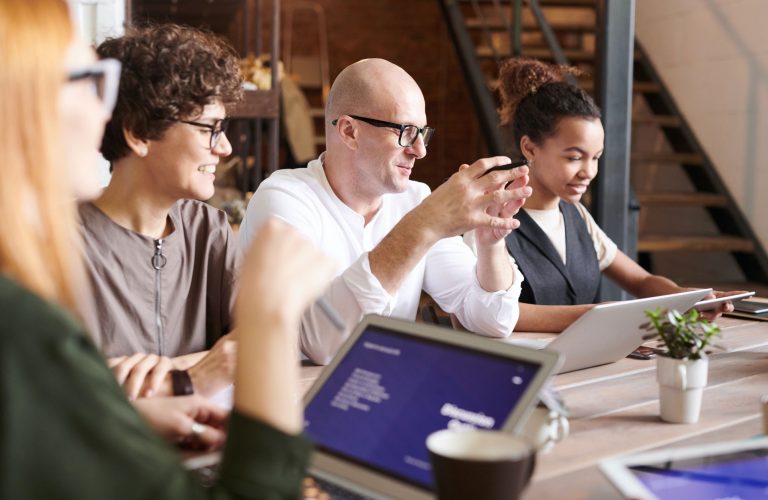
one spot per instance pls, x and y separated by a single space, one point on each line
181 383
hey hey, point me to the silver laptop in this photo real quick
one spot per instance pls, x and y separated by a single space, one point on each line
610 331
393 383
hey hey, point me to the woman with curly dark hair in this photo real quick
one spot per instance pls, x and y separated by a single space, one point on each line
162 262
559 247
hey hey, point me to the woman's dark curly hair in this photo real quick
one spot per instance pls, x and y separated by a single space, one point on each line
535 96
170 72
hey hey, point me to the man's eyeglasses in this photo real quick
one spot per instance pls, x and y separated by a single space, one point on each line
408 133
216 129
104 77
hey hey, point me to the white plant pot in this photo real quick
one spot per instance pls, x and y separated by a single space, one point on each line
681 384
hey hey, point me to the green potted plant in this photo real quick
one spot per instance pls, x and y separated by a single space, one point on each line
682 364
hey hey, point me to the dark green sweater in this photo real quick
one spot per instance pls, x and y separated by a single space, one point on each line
68 431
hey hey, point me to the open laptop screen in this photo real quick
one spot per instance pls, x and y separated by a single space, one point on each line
392 390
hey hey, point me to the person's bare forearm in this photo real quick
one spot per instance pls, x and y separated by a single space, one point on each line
258 392
494 271
637 281
186 361
549 319
653 285
399 252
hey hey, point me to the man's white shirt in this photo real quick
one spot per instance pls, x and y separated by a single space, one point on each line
304 199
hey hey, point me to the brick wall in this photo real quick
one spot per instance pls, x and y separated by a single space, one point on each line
410 33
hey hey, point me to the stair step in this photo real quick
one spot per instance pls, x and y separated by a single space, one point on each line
495 24
646 87
587 85
682 199
553 3
541 53
683 158
671 243
659 120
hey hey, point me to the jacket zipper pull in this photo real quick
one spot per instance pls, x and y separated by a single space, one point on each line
158 259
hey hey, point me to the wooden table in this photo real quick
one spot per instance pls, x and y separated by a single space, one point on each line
615 410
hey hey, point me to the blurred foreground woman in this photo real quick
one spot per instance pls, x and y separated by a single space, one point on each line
67 429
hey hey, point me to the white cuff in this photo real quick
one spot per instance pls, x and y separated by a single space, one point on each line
367 289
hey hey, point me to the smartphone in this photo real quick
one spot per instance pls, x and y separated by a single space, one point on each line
506 166
643 352
750 306
709 304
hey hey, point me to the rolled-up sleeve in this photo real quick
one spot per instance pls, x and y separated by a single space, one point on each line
451 279
352 294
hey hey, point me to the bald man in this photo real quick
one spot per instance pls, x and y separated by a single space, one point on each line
390 236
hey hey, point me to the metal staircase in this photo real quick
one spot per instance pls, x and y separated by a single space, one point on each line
697 219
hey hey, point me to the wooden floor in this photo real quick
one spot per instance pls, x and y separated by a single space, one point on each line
614 411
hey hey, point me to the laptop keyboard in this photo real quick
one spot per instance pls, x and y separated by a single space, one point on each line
316 488
313 488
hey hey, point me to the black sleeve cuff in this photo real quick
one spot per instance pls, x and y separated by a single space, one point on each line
259 457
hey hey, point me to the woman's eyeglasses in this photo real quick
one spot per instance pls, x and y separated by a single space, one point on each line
104 77
217 129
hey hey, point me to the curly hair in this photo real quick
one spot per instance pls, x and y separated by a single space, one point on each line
536 95
170 72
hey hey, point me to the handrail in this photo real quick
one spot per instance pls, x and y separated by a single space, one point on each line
549 36
486 32
514 27
517 30
482 98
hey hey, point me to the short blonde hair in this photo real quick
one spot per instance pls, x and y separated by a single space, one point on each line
37 224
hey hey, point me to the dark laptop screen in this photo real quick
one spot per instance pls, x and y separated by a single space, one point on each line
392 390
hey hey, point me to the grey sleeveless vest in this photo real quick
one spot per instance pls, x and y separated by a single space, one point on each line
547 280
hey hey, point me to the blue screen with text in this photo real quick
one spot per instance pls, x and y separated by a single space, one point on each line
392 390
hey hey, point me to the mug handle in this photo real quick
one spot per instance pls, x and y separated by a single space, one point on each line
562 428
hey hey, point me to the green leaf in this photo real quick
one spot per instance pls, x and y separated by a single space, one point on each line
684 335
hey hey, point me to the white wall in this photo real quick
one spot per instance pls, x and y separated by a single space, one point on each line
713 56
97 20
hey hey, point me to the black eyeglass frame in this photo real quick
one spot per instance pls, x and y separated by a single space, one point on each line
106 75
218 128
426 132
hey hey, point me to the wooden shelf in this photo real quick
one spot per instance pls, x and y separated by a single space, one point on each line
257 104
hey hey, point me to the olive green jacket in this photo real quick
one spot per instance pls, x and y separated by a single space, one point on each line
68 431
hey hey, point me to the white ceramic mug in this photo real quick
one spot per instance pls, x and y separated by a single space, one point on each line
544 428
